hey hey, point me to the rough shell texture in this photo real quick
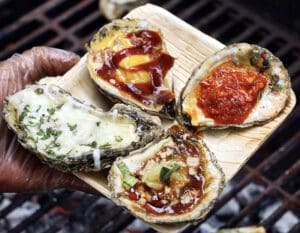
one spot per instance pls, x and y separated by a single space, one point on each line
213 174
73 136
110 39
113 9
269 103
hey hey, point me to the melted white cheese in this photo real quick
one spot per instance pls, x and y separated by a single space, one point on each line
54 122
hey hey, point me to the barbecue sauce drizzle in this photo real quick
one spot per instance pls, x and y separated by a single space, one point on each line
145 42
185 148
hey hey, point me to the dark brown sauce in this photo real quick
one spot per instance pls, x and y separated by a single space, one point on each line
195 185
145 42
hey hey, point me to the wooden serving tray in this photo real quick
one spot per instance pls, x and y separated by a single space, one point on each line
232 147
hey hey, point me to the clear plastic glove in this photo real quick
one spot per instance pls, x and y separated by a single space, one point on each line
20 170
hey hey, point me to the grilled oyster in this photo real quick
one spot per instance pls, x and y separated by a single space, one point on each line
128 61
70 135
174 180
113 9
241 85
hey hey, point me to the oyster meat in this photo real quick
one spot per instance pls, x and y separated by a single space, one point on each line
241 85
73 136
129 62
174 180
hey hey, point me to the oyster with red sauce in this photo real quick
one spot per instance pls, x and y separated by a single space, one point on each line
128 60
174 180
240 86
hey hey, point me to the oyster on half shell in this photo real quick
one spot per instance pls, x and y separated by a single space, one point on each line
73 136
241 85
174 180
128 60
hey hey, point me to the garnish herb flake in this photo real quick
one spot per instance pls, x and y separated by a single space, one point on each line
165 173
105 146
59 106
72 127
51 111
24 113
118 138
129 181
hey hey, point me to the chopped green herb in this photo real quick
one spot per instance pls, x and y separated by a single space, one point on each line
72 127
39 91
60 106
93 144
51 111
126 186
47 135
69 152
118 138
49 132
105 146
41 121
56 133
123 168
24 113
40 132
60 156
165 173
50 152
98 123
38 109
129 180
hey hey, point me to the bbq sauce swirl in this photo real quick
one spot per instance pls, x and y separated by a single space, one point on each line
151 92
182 194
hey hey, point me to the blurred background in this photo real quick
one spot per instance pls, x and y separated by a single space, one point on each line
265 192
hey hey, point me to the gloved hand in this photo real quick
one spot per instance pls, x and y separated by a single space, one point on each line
19 169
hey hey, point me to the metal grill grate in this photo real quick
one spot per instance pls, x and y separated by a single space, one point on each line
265 191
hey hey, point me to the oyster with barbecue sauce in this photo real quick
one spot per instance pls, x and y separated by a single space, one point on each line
240 86
174 180
128 60
73 136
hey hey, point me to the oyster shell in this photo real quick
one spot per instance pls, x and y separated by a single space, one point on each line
128 60
241 85
113 9
174 180
70 135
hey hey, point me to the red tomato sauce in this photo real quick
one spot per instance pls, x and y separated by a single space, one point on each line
229 93
145 42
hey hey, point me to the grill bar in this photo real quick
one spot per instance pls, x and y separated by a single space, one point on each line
266 191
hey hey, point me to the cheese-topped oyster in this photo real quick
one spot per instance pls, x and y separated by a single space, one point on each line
129 62
70 135
241 85
174 180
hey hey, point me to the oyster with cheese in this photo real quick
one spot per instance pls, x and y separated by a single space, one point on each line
74 136
241 85
128 60
174 180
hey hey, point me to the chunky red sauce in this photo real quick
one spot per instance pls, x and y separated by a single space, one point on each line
229 93
159 202
145 42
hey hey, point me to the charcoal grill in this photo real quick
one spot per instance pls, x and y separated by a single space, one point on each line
264 192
